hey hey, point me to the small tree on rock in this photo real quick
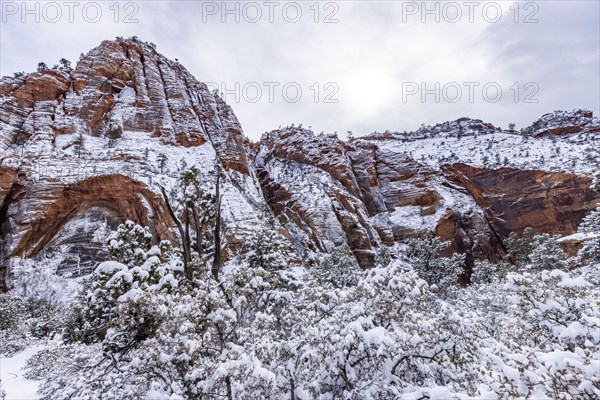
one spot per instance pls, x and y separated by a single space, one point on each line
79 144
65 64
162 162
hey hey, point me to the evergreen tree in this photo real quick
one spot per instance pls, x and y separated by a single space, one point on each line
117 307
485 272
520 246
383 257
596 182
266 251
424 256
546 254
129 244
339 268
79 144
590 250
196 214
65 64
162 162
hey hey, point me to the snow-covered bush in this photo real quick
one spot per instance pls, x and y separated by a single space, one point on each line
386 335
553 347
37 281
534 251
596 182
13 334
36 306
11 311
488 272
590 226
339 268
520 246
383 257
424 256
546 254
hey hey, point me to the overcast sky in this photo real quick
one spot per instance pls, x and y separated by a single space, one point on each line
360 65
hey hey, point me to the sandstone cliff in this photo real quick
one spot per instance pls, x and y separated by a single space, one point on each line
84 149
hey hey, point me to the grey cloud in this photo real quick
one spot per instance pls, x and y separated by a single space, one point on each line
368 54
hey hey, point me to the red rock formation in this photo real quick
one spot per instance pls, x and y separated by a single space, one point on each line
122 85
325 192
369 190
118 195
515 199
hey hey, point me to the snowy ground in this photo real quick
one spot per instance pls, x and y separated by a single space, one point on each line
16 386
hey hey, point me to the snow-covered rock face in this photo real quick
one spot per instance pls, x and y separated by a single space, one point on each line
86 148
371 191
94 143
120 86
565 122
363 194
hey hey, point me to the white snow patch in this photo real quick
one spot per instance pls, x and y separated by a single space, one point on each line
13 382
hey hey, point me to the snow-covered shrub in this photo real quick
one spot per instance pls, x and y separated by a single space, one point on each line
129 244
11 311
591 223
36 306
488 272
520 246
536 252
339 268
553 347
381 338
13 334
551 304
424 256
119 301
37 281
72 371
596 182
386 336
590 250
383 257
546 254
